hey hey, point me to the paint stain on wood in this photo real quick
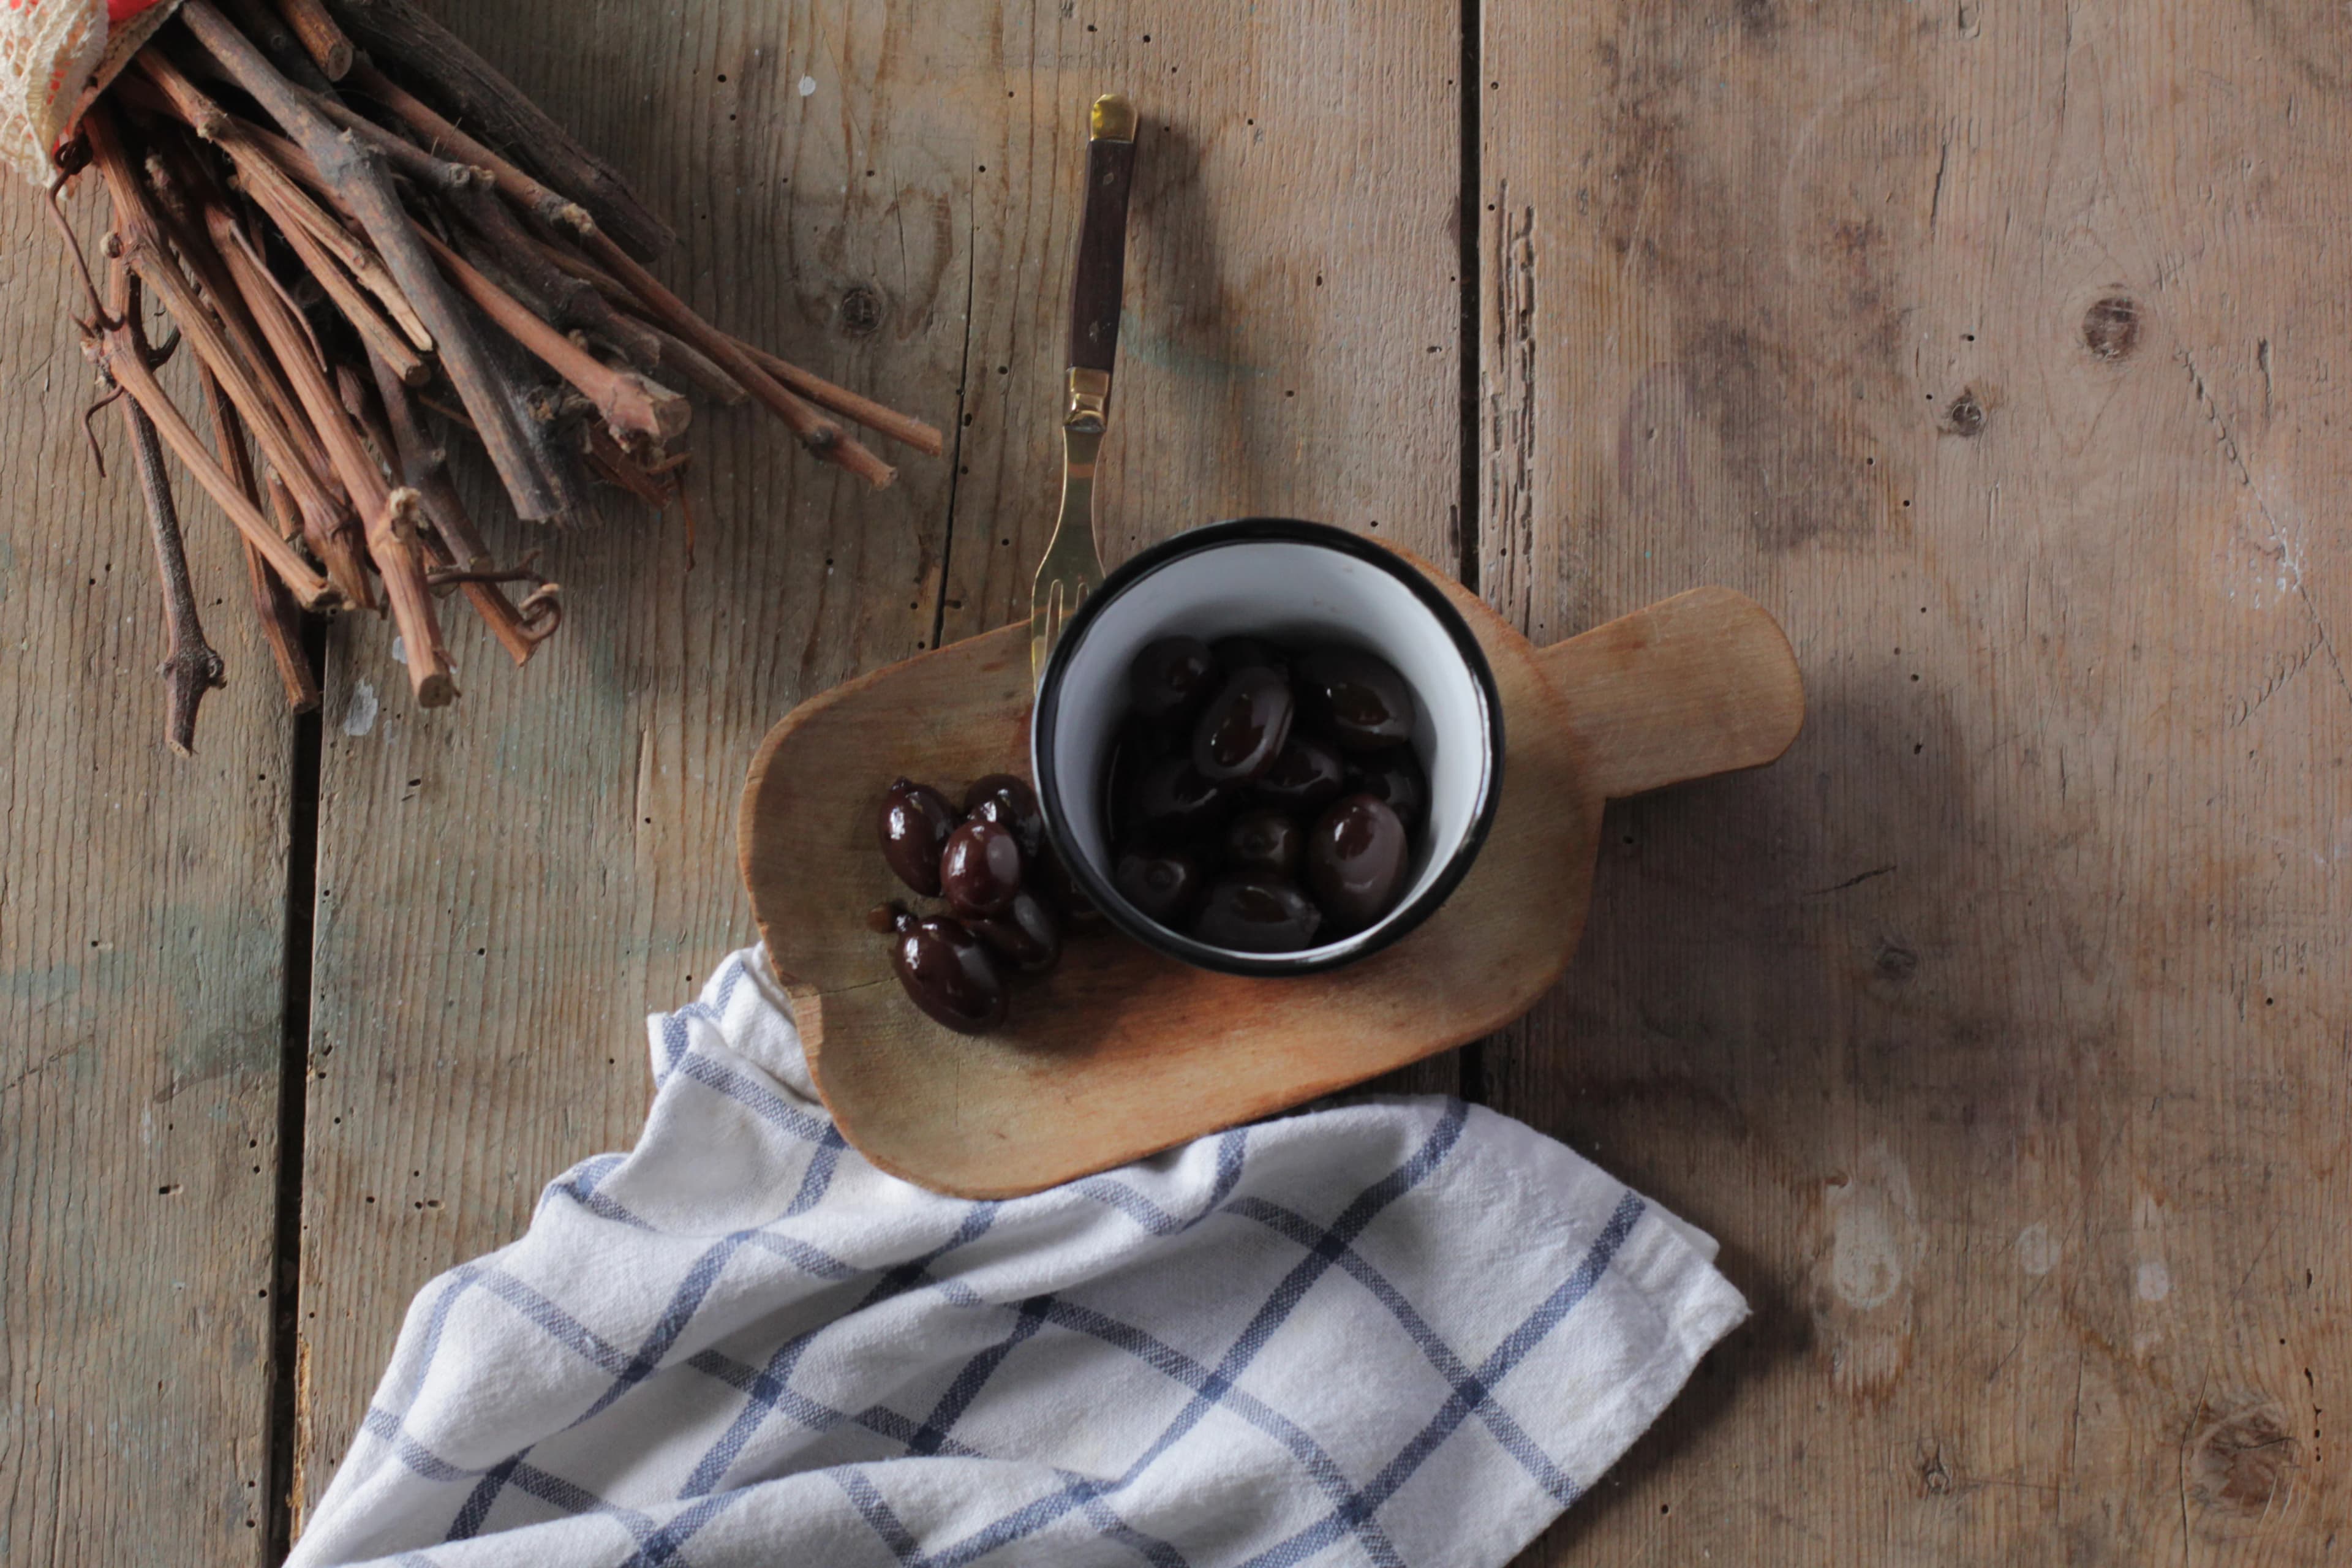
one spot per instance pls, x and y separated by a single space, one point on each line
1869 1248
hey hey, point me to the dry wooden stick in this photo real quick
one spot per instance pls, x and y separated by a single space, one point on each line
120 354
277 191
632 406
573 304
264 25
313 591
443 136
379 335
816 432
397 31
325 518
614 464
329 49
424 469
883 421
331 527
424 466
191 668
219 341
388 515
281 623
357 171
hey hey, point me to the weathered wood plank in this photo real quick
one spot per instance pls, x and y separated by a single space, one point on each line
1999 1031
141 934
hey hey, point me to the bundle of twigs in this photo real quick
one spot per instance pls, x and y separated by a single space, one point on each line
354 274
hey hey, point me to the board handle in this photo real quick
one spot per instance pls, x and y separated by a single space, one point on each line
1700 684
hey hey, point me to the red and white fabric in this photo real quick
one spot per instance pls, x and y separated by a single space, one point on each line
56 57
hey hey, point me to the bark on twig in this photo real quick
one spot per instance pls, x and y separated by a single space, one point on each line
388 515
323 41
281 622
397 31
632 406
357 171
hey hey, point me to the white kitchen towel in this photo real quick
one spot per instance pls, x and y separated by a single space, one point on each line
1403 1332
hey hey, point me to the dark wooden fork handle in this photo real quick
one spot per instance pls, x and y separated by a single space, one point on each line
1098 283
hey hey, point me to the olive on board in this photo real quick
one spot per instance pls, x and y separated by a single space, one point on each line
1169 677
1264 840
914 825
1306 774
1027 934
980 870
1251 912
1356 856
1009 802
1396 777
1161 886
948 973
1358 699
1243 727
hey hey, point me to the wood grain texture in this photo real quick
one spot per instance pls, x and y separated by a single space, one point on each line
141 932
890 194
1998 1032
1120 1052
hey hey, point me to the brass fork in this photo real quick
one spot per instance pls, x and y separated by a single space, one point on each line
1073 565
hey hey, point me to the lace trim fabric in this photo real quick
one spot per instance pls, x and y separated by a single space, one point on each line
56 57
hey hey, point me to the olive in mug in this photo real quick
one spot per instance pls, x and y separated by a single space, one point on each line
1288 814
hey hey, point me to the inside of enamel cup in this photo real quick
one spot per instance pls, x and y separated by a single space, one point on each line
1292 592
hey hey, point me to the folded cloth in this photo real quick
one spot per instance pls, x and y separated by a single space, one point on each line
1404 1330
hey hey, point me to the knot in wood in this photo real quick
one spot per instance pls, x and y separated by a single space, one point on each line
1967 415
2111 328
861 312
2240 1460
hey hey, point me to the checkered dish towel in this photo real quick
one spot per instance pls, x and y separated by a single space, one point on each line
1407 1330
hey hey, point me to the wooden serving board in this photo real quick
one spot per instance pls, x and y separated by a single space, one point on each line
1120 1052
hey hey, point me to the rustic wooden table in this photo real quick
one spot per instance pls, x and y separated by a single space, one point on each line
1999 1031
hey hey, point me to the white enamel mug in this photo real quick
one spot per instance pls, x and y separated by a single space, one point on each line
1290 582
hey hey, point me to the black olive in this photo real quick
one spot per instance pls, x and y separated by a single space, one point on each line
1028 935
1360 701
1008 802
1355 858
1243 727
1264 840
1235 654
1396 777
1306 774
1170 677
883 919
980 868
914 825
1250 913
1163 888
948 973
1171 800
